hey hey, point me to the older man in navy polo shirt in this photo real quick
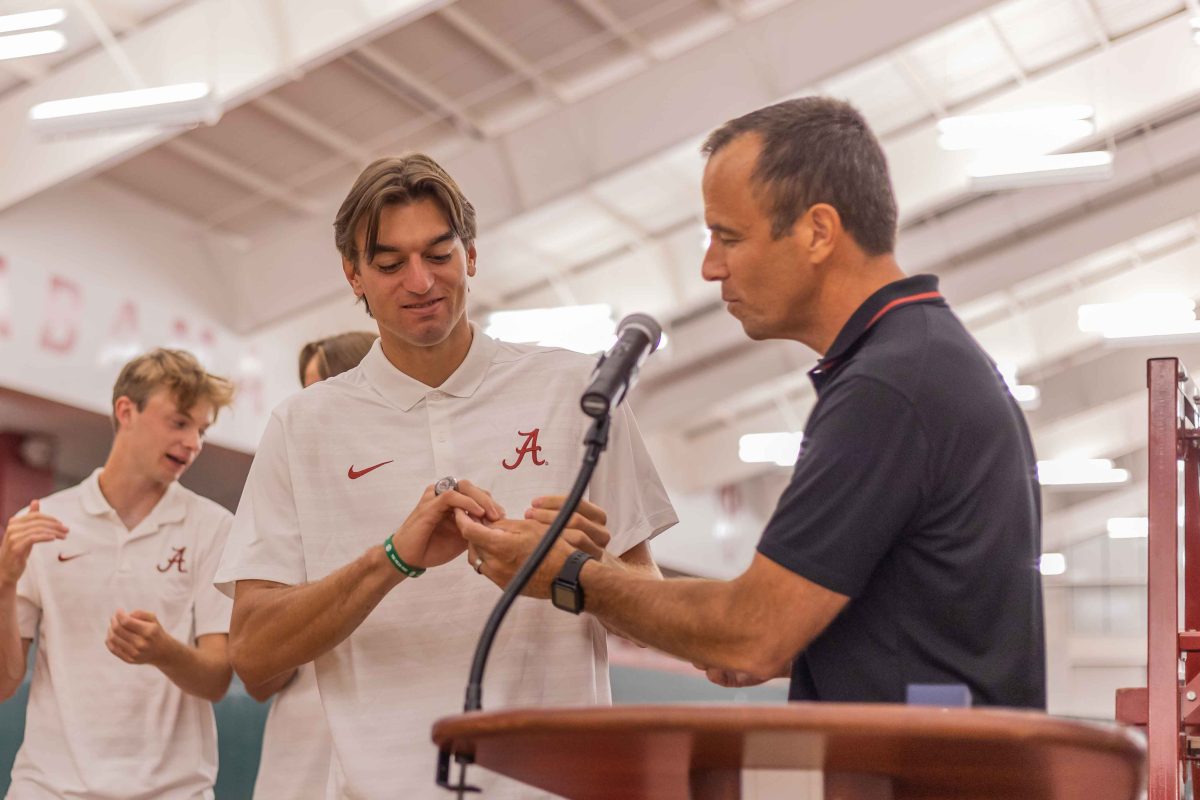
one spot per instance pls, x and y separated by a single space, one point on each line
903 552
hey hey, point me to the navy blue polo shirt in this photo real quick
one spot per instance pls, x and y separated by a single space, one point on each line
915 494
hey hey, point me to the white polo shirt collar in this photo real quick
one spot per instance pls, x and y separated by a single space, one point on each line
404 391
171 507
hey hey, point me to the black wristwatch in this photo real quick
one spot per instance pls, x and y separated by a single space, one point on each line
565 592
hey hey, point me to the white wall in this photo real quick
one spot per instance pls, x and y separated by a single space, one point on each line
90 276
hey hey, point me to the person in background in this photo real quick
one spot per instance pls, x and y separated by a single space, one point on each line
114 577
295 749
333 355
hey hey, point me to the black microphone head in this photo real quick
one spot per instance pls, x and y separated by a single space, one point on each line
645 323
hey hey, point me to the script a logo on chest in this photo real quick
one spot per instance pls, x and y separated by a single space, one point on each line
176 560
528 447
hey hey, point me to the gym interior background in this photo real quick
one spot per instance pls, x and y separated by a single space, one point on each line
1046 157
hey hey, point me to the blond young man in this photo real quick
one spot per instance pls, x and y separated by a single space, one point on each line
113 577
351 461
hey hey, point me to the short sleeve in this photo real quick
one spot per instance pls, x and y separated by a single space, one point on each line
264 543
212 608
857 484
626 485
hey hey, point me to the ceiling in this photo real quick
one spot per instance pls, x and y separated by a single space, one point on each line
574 125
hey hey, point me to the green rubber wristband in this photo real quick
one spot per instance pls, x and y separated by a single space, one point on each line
394 557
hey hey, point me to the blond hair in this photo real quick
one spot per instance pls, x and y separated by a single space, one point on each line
179 372
336 354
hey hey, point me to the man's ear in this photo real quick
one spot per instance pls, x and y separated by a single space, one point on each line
825 231
123 410
471 260
352 276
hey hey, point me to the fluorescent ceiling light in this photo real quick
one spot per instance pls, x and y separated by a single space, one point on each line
585 329
176 104
38 43
1134 527
770 448
29 20
1027 397
1032 131
994 172
1079 472
1163 314
1052 564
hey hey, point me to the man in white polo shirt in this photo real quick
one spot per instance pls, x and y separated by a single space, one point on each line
114 578
343 463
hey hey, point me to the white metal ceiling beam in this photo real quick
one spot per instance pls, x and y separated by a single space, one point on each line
637 119
243 176
430 96
314 129
733 8
473 30
918 83
604 15
175 47
1010 54
1093 22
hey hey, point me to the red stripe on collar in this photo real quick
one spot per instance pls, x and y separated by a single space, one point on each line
900 301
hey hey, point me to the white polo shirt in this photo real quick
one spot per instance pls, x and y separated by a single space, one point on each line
97 727
295 748
340 467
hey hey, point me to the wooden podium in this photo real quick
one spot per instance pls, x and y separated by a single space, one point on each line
866 751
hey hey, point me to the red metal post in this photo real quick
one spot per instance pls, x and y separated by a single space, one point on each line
1191 546
1162 668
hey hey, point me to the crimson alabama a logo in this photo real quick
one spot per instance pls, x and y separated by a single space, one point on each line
531 447
176 560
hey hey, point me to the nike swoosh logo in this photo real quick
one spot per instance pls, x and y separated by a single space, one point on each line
61 557
354 474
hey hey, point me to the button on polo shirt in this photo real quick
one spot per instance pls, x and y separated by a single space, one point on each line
915 495
96 726
507 419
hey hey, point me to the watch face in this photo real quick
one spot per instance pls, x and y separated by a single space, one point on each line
563 597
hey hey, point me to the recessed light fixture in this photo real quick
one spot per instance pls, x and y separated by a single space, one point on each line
1079 472
1015 171
163 106
1038 130
770 448
1162 314
585 329
1052 564
35 43
31 20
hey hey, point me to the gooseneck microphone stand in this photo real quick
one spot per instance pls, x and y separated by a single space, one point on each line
594 444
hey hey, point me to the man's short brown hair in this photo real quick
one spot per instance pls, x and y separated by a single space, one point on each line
819 150
398 179
179 372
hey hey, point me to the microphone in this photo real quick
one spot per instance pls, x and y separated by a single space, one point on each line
638 336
